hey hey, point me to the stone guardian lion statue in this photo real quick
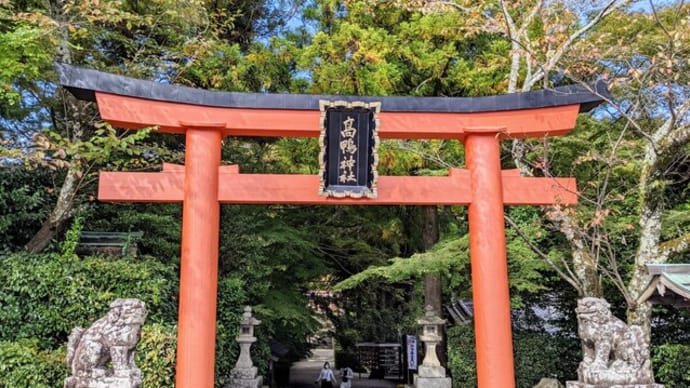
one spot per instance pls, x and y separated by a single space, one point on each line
614 354
102 356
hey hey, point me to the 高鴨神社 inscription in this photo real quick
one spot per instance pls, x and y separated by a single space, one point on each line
348 144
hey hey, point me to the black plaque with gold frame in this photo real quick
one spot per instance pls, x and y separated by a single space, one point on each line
349 144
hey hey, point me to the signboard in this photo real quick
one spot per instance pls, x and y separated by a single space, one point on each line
348 142
412 352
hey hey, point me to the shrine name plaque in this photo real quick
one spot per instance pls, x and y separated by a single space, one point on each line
349 142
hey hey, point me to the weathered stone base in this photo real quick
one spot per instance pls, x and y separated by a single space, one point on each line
432 382
246 383
577 384
245 378
103 382
431 371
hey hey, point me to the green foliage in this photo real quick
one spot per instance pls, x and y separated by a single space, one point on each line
539 355
231 302
160 223
670 363
461 356
450 259
24 364
536 354
155 355
24 201
68 246
43 298
446 257
25 54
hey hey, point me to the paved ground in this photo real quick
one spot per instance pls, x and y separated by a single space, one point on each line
304 373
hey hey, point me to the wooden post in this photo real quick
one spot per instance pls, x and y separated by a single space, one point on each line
196 337
494 345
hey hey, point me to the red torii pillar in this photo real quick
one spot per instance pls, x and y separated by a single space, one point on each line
202 184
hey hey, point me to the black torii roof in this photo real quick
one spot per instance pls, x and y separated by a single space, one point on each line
84 83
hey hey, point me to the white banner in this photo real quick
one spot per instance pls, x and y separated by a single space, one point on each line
412 352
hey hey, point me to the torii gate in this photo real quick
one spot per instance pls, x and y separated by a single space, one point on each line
202 184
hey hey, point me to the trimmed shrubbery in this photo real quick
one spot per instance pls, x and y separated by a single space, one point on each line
672 365
44 296
537 355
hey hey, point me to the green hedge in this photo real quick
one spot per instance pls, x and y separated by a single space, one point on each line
672 365
155 355
24 364
537 355
43 297
540 355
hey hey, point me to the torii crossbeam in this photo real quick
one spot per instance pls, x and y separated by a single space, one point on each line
202 184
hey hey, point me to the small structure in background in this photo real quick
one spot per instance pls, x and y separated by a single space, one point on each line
382 360
460 310
244 374
114 244
102 356
670 285
431 374
615 354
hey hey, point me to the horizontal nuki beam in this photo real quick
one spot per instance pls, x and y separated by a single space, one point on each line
236 188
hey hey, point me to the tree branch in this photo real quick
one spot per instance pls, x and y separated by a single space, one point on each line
677 245
570 278
551 62
665 137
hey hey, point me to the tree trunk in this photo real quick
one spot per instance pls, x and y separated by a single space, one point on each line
432 283
652 197
61 213
430 236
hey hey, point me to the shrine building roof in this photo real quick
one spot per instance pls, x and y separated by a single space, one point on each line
670 284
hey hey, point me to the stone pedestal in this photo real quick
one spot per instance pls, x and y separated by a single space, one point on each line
431 374
245 378
432 377
577 384
103 382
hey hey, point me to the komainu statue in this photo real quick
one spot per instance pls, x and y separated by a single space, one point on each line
102 356
614 354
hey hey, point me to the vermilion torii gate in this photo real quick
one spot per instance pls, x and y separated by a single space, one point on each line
202 184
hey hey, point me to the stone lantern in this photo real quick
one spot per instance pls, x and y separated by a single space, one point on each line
431 373
244 374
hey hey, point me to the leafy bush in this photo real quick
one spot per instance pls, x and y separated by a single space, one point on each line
536 355
24 364
25 199
44 298
461 356
231 303
155 355
670 363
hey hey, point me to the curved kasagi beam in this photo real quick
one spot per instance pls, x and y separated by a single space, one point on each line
85 83
133 103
